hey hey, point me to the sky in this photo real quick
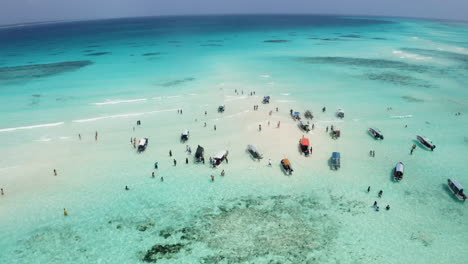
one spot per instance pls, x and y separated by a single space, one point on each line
22 11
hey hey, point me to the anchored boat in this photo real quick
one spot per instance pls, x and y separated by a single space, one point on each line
335 161
375 133
456 189
426 142
199 154
220 157
305 144
266 99
254 152
184 136
142 144
286 164
340 113
304 126
399 171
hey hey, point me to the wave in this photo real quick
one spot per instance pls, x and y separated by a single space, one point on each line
173 96
120 101
402 116
285 94
120 116
43 140
31 127
285 101
265 76
405 55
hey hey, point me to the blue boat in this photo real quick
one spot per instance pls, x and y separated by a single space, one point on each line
335 160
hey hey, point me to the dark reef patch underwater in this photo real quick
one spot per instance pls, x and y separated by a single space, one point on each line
177 82
29 72
368 63
278 228
251 229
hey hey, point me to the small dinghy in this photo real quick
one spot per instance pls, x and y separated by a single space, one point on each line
308 114
426 142
456 189
304 126
340 113
375 133
254 152
399 171
184 136
199 154
305 145
219 158
286 164
142 144
266 100
335 161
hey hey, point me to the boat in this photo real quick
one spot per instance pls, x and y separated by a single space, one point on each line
296 116
185 135
340 113
199 154
304 126
399 171
219 158
254 152
456 189
142 144
266 100
335 161
221 108
336 133
286 164
308 114
375 133
426 142
305 145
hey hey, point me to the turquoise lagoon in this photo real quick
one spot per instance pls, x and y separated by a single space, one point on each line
406 77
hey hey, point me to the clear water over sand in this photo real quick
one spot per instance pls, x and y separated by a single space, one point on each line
405 77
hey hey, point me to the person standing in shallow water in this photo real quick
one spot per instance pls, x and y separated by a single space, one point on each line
65 212
380 193
212 178
152 175
368 189
1 191
215 127
170 153
55 172
79 136
175 162
96 136
186 160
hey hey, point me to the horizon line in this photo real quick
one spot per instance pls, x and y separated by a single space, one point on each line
58 21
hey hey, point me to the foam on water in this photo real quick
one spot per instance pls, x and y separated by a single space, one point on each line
31 127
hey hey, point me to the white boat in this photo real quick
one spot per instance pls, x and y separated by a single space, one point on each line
142 144
426 142
220 157
399 171
185 135
456 189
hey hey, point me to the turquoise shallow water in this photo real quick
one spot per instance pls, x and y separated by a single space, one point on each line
61 80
